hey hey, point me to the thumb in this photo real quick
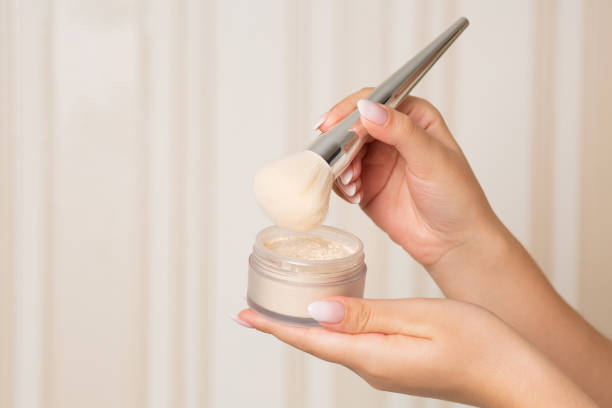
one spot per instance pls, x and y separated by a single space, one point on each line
355 315
420 150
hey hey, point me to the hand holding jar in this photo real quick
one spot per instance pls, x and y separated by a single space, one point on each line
436 348
505 339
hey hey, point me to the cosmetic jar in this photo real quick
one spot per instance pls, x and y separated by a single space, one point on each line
290 270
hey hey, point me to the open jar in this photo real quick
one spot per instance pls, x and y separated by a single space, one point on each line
289 270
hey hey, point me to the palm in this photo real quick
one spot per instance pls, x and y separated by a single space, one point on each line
398 203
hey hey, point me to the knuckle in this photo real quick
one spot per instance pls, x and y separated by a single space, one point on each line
432 114
409 125
363 318
406 124
428 106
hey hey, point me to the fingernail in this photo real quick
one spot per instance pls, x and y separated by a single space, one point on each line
356 199
350 189
321 120
326 311
240 321
372 111
347 175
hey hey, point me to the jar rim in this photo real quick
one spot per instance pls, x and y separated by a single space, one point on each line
297 269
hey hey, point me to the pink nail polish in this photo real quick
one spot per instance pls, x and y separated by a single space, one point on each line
347 175
356 199
326 311
240 321
372 111
321 120
349 189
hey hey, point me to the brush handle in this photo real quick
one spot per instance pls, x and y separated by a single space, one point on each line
340 144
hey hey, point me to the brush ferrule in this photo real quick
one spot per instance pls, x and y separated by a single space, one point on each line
340 144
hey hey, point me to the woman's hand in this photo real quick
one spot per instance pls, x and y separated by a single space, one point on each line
415 183
413 180
429 347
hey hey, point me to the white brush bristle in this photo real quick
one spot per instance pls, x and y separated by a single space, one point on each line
294 191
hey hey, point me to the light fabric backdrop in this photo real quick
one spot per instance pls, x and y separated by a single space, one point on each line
129 134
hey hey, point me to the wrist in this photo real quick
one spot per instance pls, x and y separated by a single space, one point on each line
528 379
489 246
486 268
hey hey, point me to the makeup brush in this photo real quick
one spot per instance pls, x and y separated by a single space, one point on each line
294 191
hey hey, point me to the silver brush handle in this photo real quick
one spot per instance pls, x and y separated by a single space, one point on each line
340 144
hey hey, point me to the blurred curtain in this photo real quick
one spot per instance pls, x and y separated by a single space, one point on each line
129 134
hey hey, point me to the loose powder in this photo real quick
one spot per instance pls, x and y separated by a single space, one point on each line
308 248
289 271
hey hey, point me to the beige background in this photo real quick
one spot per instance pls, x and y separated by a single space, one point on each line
129 133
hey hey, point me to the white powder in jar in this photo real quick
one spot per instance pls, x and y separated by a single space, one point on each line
289 271
308 248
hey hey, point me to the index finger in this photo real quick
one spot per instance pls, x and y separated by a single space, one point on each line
335 347
343 108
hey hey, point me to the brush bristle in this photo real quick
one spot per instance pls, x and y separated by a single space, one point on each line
294 191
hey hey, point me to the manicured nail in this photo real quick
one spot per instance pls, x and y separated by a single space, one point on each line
356 199
350 189
240 321
347 175
326 312
321 120
372 111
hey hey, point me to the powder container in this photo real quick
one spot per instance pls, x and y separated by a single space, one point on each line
281 287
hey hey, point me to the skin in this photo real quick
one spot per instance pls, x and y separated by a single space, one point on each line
414 182
436 348
451 229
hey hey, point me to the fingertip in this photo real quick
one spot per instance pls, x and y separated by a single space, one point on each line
332 118
373 112
253 319
355 199
327 311
379 123
321 121
411 141
352 190
246 314
347 175
241 321
349 189
343 108
357 169
338 190
333 312
262 323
